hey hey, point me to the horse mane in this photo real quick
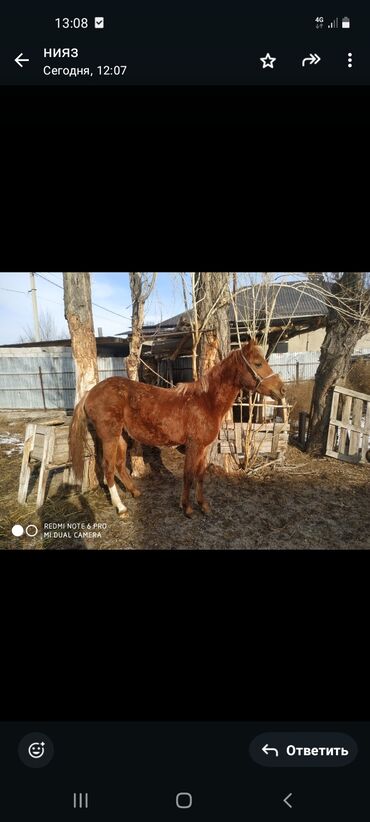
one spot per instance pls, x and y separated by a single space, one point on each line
201 386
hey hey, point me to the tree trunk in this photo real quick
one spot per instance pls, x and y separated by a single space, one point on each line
213 301
138 296
133 359
342 334
78 313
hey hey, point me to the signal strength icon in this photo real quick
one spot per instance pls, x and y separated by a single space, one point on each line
334 24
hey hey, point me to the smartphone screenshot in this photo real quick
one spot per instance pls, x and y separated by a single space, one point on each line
179 771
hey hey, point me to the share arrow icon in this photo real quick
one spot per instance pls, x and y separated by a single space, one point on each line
313 59
20 60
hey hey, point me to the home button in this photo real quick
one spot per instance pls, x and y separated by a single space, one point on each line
184 800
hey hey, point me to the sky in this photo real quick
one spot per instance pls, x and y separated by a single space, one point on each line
109 290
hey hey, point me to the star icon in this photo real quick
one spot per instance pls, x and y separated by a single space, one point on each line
268 61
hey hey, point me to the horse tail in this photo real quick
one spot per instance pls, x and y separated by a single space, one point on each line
77 438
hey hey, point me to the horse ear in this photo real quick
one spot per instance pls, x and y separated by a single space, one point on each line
253 346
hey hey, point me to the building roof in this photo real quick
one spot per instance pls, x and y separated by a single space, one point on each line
119 346
172 322
296 300
64 343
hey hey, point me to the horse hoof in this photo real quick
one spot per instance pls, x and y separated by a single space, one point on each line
205 509
188 512
136 493
123 514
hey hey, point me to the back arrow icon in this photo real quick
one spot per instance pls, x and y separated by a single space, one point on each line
313 58
286 800
20 60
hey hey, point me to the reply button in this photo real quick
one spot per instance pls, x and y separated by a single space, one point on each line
303 749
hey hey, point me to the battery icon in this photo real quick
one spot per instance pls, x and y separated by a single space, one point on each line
345 22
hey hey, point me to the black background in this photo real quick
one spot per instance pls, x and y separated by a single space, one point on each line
273 109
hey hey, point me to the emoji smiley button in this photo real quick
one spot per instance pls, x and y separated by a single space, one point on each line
36 750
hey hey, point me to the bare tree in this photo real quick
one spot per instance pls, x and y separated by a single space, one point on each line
347 320
212 293
210 297
141 286
207 300
78 313
48 330
212 302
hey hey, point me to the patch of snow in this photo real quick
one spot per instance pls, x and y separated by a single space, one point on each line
16 441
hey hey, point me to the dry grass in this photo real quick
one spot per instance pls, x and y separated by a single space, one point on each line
307 503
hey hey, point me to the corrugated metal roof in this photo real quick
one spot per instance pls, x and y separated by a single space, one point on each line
172 322
296 300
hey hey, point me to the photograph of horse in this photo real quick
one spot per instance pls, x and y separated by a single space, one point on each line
189 414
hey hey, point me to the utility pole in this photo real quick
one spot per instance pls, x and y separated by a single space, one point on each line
34 306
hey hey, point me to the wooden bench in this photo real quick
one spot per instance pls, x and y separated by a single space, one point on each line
46 443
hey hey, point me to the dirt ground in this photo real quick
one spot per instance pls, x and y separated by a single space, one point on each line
307 503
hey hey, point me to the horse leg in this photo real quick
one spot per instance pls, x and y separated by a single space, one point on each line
122 470
191 459
200 476
109 461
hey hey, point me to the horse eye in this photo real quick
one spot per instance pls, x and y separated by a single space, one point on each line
258 364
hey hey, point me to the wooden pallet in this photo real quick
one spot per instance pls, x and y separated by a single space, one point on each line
348 438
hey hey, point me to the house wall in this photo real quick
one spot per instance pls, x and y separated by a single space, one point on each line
364 342
313 340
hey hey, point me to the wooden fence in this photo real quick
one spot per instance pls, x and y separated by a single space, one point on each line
264 436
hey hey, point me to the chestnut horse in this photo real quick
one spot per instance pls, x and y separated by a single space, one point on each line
190 415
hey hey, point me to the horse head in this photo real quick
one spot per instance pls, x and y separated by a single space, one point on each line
256 374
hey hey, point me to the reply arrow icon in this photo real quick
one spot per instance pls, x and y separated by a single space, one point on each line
266 750
20 60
